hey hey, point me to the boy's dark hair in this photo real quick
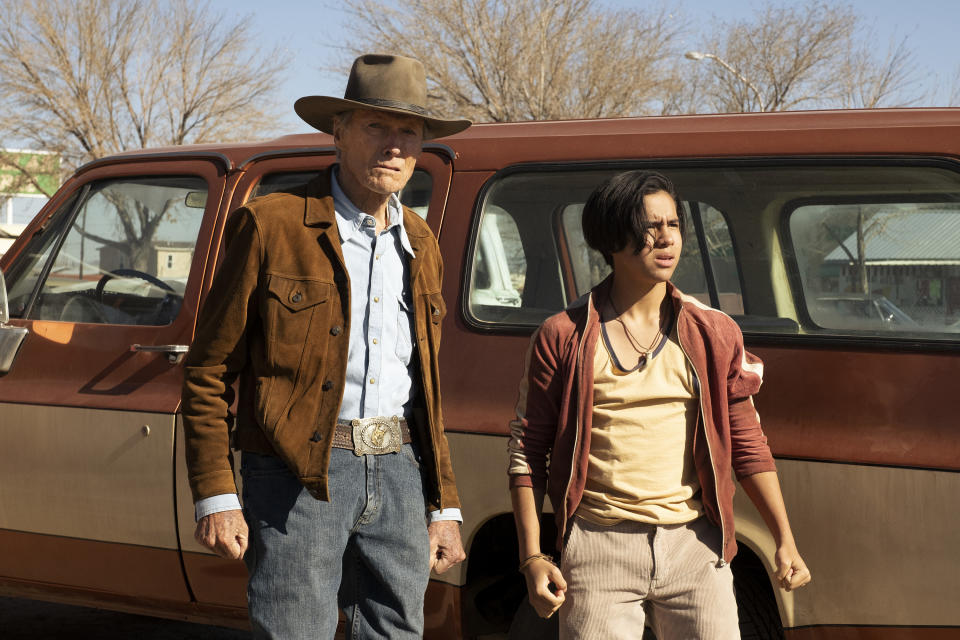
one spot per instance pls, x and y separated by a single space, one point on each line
614 216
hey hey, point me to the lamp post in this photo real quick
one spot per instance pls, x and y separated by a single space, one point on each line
696 55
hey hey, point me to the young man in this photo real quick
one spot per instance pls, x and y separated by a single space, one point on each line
635 403
324 307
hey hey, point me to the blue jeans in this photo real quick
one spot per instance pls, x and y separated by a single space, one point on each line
368 545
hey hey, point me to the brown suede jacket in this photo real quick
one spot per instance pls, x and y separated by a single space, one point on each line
277 316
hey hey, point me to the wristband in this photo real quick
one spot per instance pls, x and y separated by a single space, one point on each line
537 556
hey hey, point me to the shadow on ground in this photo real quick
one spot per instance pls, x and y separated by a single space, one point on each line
30 620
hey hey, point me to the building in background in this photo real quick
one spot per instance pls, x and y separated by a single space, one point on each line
22 197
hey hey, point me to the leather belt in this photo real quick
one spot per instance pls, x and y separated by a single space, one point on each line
374 436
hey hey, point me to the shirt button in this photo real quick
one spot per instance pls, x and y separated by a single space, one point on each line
373 381
335 331
374 341
296 297
316 437
326 386
376 257
376 299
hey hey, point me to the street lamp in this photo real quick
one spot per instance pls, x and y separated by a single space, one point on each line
696 55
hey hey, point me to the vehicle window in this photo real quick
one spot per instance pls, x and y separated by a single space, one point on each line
500 268
881 267
27 269
124 259
416 194
793 247
530 259
718 249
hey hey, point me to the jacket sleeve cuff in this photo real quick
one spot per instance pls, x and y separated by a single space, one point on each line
520 481
216 504
753 468
213 483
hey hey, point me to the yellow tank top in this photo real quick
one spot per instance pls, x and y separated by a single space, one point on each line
641 442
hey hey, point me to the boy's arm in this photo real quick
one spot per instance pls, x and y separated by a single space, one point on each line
529 447
764 491
538 570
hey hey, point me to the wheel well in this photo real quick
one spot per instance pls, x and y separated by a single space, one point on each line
756 600
494 588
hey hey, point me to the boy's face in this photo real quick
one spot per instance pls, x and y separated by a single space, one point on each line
657 261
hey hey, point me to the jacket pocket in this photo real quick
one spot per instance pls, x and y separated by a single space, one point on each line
296 312
290 305
297 294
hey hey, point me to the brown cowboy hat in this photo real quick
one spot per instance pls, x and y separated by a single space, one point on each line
383 83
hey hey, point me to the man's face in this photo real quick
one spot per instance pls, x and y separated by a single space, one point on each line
378 150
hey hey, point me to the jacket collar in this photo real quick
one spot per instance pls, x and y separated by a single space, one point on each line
600 292
319 211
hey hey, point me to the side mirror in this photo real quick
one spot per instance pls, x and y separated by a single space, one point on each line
10 337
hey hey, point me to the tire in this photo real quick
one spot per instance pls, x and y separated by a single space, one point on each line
756 605
527 625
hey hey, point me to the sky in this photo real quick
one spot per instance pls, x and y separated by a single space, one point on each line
310 32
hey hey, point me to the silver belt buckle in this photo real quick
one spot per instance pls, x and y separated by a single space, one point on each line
376 435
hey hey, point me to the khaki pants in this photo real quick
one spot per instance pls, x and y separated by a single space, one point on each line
617 576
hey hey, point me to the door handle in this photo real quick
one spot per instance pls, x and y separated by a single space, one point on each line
175 352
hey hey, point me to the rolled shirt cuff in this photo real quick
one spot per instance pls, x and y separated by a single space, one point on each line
446 514
216 504
230 501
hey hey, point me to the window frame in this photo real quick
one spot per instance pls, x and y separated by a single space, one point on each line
65 225
484 326
937 342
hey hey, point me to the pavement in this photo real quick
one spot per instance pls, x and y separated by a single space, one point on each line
33 620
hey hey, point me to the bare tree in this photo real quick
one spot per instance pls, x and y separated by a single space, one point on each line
88 78
510 60
818 55
953 95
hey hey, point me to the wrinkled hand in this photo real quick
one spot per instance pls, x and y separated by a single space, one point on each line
225 533
540 574
446 548
791 570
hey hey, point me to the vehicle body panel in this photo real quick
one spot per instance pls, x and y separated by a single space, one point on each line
865 439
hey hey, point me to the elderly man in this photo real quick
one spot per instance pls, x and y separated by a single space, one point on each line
327 306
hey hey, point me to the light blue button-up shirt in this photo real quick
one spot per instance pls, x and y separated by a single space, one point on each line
378 380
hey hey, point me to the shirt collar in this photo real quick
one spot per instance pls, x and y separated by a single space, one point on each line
350 218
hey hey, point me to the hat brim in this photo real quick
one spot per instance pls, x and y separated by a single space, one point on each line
318 112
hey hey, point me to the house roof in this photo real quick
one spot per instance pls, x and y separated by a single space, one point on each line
907 238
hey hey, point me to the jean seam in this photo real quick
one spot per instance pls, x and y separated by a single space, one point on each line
355 632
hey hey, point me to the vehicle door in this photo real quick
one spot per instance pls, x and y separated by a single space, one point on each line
213 579
107 282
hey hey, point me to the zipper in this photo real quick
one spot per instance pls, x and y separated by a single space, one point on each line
576 436
713 466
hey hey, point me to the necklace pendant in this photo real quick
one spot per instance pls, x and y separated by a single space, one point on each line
642 360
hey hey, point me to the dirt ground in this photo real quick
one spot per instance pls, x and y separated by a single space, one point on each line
31 620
